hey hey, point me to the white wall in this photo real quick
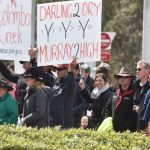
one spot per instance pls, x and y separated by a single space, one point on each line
146 32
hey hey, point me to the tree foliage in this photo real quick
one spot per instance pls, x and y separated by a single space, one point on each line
125 17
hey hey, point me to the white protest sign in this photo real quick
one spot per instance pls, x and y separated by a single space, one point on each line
67 29
16 29
18 67
146 32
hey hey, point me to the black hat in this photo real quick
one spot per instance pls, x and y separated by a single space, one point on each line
22 62
5 84
33 73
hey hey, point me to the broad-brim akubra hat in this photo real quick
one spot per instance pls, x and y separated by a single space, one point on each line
33 73
124 72
5 84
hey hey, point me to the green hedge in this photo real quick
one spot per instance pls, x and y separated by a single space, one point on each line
22 138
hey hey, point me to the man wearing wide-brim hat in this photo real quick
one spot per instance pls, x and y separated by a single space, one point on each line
124 72
121 104
8 105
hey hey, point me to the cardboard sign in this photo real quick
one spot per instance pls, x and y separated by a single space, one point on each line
67 29
15 29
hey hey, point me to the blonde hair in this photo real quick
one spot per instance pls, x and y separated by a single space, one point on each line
38 84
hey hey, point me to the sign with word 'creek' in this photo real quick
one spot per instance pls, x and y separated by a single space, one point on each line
15 29
67 29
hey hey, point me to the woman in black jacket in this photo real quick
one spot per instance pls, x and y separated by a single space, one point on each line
98 98
35 112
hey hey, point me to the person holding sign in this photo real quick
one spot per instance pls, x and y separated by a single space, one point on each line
17 79
61 102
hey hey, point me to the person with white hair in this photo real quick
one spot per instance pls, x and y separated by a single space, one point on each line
141 87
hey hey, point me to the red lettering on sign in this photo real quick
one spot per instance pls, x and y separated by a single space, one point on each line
55 11
61 52
91 9
18 17
11 37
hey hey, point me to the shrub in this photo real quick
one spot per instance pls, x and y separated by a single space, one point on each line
22 138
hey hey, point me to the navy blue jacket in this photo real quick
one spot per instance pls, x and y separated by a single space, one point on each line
146 117
61 102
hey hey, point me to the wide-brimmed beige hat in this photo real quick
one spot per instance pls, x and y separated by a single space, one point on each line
124 72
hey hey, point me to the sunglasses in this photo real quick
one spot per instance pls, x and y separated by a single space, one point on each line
138 69
122 77
60 69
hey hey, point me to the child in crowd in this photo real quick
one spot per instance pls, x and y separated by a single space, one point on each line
87 123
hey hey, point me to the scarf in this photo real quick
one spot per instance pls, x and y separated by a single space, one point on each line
97 92
121 96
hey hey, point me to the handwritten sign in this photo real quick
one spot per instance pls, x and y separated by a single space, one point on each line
15 29
65 29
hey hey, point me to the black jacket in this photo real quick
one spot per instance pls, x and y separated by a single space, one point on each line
79 105
61 102
35 108
122 113
139 97
89 83
98 105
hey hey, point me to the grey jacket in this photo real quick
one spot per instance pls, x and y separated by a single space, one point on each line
35 108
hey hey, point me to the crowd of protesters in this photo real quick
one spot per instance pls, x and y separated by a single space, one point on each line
72 98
